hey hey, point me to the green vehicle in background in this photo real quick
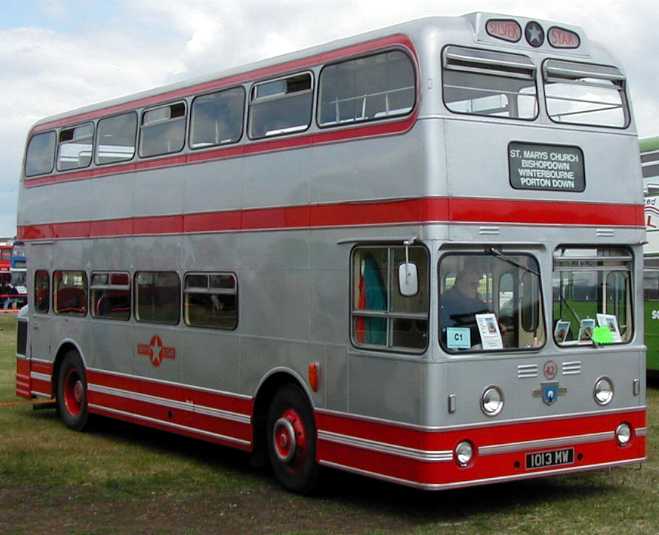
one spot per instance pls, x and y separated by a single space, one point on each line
650 166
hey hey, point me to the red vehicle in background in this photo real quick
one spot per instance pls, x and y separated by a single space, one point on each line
8 293
5 264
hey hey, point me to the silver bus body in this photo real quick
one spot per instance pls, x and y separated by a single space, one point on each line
286 214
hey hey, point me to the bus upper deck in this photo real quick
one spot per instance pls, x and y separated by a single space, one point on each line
508 109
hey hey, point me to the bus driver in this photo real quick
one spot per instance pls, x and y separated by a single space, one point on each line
460 304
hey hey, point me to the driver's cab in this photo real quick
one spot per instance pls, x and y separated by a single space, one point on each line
490 301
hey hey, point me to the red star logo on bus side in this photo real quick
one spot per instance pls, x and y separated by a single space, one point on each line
156 351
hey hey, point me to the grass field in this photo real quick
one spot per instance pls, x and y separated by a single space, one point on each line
119 478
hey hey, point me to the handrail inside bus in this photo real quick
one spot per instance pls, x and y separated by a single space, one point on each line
466 59
579 70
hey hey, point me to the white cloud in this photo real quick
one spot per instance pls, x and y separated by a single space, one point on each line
145 43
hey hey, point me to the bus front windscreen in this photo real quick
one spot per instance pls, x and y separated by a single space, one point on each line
592 291
490 302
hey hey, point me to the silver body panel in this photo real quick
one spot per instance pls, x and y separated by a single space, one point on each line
294 283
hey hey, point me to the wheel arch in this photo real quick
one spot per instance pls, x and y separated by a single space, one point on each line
270 383
64 347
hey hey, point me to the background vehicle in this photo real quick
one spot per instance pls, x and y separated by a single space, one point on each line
650 168
19 273
265 258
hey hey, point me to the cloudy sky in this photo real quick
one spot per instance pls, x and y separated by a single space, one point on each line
56 55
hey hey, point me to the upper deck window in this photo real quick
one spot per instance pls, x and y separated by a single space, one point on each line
40 154
75 147
115 138
162 130
374 87
592 288
281 106
483 82
583 94
217 119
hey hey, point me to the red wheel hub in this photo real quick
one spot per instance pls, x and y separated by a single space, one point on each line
74 392
289 437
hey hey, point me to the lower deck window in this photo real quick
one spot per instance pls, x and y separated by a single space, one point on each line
490 302
592 289
157 297
110 293
381 317
211 300
70 292
42 291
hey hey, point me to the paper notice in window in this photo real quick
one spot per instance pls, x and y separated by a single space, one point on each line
610 322
489 331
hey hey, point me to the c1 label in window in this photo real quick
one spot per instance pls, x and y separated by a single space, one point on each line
546 167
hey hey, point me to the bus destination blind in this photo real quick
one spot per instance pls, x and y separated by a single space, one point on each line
546 167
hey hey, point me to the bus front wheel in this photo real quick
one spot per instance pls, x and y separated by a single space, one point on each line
291 435
72 392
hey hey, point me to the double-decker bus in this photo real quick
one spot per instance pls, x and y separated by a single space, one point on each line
414 254
650 168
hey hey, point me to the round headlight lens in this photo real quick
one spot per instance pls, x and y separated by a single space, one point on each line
603 391
464 452
492 401
623 434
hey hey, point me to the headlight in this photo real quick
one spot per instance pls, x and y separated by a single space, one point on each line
623 434
464 452
492 401
603 391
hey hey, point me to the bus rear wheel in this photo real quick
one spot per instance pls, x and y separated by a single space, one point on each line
72 392
291 435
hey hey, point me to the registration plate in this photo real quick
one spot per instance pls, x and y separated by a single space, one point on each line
542 459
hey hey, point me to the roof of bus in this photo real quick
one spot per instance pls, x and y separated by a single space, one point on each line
467 22
649 144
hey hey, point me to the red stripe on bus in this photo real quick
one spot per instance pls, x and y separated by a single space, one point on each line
491 467
490 435
134 419
23 367
26 394
45 387
228 81
409 211
172 392
223 153
545 212
201 422
41 367
501 465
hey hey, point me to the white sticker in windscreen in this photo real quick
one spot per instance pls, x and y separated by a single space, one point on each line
458 338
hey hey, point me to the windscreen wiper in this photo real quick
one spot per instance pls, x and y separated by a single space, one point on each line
498 254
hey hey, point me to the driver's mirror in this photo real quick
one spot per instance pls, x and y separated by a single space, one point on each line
408 279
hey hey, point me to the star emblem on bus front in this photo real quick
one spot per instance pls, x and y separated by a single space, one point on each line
534 34
156 351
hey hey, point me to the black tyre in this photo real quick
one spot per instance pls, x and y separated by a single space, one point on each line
72 392
291 436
